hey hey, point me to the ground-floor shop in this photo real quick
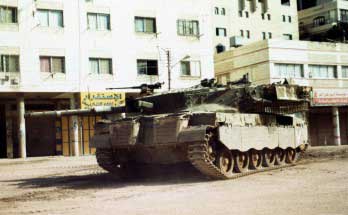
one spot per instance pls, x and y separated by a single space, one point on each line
328 126
47 136
328 117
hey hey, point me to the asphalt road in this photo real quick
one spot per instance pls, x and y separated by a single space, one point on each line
317 185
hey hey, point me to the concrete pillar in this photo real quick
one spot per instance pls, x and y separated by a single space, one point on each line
336 126
9 131
21 127
74 123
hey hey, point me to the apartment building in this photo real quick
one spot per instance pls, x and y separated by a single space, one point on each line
323 66
323 20
240 22
61 54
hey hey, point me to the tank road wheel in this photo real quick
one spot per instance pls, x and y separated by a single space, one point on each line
225 161
255 159
268 158
280 156
108 161
291 155
241 162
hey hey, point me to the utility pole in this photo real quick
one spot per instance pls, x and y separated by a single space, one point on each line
169 68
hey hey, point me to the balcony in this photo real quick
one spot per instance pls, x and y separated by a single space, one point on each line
318 27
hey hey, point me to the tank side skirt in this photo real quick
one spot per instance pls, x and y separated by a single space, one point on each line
243 138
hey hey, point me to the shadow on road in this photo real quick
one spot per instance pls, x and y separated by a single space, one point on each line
181 174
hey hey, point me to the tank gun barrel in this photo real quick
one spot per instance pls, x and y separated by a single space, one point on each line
106 109
134 106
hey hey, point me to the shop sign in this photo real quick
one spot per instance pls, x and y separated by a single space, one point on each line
95 99
330 97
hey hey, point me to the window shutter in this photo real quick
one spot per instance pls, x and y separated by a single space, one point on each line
13 64
94 68
92 21
45 64
57 65
105 66
43 17
139 25
150 26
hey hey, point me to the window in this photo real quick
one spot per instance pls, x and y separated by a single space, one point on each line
50 18
344 71
223 11
289 19
318 21
344 15
263 16
98 21
190 68
284 18
269 16
322 71
100 65
8 14
289 70
264 35
147 67
285 2
269 35
52 64
9 63
287 36
188 27
248 34
241 33
216 11
246 14
146 25
240 13
221 32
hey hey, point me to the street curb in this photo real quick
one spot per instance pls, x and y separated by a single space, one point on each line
326 152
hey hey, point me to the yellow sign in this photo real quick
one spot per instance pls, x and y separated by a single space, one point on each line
93 99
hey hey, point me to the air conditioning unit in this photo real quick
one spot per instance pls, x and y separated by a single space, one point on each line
15 81
4 76
236 41
4 79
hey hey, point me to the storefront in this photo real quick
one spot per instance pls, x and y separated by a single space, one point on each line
328 117
50 136
73 133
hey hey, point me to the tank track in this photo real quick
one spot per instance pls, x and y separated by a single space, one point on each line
107 161
199 157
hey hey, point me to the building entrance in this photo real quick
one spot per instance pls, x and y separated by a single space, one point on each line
41 137
3 145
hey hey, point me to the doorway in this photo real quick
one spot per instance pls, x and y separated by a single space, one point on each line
41 136
3 144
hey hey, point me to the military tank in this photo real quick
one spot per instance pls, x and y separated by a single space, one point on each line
223 131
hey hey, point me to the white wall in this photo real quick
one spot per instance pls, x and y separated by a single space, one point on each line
255 24
122 44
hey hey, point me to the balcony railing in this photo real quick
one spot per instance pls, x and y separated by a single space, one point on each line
317 25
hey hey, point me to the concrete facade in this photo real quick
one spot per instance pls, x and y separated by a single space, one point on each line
253 20
53 50
324 21
323 66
